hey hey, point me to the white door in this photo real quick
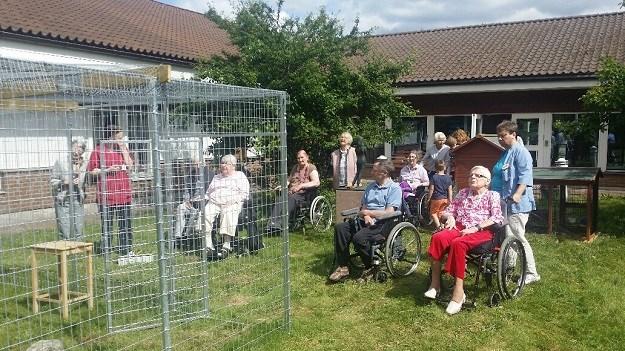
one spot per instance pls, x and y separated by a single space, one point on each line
535 129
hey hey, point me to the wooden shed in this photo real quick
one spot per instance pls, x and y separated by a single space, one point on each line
477 151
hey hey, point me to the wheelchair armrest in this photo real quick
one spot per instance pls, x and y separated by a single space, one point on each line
351 212
389 215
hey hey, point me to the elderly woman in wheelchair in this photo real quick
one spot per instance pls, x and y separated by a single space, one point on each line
466 226
380 200
414 183
303 195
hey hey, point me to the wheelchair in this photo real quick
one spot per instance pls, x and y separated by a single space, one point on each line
315 209
193 232
500 261
397 252
419 206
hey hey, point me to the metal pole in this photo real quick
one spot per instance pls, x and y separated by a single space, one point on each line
203 173
159 95
107 228
285 217
70 177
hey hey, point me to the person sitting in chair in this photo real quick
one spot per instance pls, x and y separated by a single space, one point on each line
467 219
225 196
196 178
380 198
303 179
413 173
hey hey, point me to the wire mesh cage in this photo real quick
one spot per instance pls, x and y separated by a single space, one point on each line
132 210
568 212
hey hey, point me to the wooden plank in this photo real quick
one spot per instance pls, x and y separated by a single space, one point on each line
112 81
38 105
64 286
33 88
89 251
34 280
161 72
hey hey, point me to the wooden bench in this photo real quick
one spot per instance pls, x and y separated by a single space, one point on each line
62 249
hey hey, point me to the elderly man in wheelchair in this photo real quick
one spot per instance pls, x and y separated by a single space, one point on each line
379 204
468 237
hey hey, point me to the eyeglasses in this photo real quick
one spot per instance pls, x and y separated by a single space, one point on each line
477 175
226 163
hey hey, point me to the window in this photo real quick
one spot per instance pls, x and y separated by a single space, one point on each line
135 125
490 122
449 124
616 145
139 141
417 137
579 147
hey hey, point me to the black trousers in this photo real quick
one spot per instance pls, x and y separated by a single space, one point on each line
362 238
124 225
294 200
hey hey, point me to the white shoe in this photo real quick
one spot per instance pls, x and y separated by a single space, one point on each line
431 293
531 278
455 307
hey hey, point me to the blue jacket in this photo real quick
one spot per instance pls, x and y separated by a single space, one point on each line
517 169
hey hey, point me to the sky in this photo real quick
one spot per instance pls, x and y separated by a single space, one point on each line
392 16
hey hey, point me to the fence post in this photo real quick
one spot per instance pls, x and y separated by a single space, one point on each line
159 95
285 217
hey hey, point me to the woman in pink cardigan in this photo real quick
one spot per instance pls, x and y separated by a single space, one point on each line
344 162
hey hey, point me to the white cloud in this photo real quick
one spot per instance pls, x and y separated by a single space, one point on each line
409 15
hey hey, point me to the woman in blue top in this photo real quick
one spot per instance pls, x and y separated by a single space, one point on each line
513 179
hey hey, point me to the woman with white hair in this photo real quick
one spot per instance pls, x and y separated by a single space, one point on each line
344 162
466 226
68 187
438 151
225 194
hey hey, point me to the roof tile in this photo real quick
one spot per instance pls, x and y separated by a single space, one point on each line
139 26
565 46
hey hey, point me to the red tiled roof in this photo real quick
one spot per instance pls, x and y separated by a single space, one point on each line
143 27
569 46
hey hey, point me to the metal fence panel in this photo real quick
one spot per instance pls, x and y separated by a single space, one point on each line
124 226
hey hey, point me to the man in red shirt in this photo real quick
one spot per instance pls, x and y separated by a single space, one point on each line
111 162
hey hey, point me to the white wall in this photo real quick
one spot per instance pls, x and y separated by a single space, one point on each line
28 51
30 139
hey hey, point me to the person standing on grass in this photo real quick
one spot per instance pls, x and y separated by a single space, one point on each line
438 151
111 162
344 162
440 192
513 179
68 187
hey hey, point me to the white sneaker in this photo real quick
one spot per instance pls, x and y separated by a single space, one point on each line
431 293
531 278
455 307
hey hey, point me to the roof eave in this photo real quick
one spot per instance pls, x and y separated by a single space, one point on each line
100 47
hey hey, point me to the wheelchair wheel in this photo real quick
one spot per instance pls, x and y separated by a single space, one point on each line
511 268
321 214
423 206
403 249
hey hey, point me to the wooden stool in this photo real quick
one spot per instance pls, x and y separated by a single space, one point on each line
62 249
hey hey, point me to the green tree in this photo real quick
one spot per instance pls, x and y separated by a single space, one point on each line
333 80
606 101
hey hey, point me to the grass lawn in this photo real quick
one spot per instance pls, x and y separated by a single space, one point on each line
578 304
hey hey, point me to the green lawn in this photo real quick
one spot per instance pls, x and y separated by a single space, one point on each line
576 306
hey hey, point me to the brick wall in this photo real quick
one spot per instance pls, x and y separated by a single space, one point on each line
25 190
